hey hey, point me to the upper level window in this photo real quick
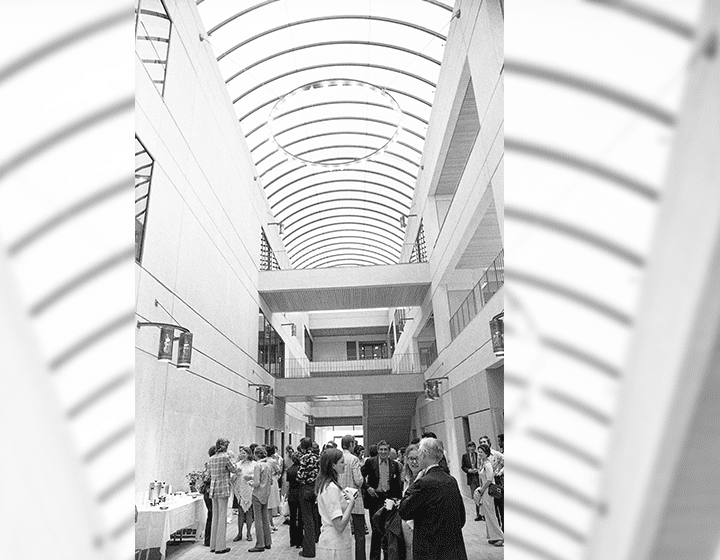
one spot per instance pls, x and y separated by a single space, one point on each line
271 348
143 177
152 33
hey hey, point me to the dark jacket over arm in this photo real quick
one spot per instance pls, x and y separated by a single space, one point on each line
435 503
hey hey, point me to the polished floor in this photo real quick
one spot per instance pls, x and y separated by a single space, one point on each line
474 533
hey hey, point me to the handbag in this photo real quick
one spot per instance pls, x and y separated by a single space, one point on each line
495 491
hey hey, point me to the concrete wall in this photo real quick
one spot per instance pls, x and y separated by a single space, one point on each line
200 262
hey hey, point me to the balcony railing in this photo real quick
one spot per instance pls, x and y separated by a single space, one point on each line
398 364
488 285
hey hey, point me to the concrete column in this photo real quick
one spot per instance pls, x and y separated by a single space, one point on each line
441 312
451 444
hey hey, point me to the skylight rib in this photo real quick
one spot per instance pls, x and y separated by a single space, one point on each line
391 90
368 104
362 248
336 65
366 231
330 18
592 87
332 43
298 230
274 195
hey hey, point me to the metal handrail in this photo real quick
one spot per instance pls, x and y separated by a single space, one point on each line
399 364
489 284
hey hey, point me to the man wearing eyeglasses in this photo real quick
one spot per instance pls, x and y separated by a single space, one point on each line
470 468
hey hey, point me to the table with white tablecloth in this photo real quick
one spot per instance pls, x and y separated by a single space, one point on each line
154 525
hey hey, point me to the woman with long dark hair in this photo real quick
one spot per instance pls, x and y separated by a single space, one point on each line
335 506
294 495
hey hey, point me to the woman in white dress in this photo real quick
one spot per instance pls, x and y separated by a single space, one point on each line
243 491
486 501
335 506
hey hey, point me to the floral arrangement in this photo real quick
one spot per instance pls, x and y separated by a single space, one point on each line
194 478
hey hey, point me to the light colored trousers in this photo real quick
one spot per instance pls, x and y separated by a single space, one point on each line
263 536
218 531
494 533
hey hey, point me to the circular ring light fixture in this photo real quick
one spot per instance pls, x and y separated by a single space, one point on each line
392 104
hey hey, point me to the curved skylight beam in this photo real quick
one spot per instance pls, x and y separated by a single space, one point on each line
366 201
361 244
336 146
336 229
345 257
341 230
303 167
300 230
332 191
273 195
392 90
349 118
571 294
338 133
650 16
594 88
358 133
577 233
387 153
335 65
361 248
305 242
343 102
581 355
328 18
593 168
262 4
332 43
300 254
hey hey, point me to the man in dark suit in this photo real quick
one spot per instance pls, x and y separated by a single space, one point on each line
469 466
382 481
435 503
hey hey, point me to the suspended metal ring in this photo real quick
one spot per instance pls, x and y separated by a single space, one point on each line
393 104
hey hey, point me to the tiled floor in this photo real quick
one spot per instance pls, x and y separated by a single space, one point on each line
474 533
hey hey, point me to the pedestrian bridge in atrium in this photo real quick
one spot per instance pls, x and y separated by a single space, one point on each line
326 289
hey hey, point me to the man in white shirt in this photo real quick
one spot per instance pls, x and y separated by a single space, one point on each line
353 478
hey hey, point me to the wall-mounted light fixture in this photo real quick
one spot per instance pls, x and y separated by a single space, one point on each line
265 393
404 219
280 225
497 333
293 329
432 388
167 340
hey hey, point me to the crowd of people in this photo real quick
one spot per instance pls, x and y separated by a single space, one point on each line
414 504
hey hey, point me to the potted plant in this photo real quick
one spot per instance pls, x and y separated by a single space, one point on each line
194 479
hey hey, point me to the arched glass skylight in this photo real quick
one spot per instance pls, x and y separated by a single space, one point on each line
334 100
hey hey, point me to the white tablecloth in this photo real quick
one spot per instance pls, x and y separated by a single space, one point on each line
154 526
